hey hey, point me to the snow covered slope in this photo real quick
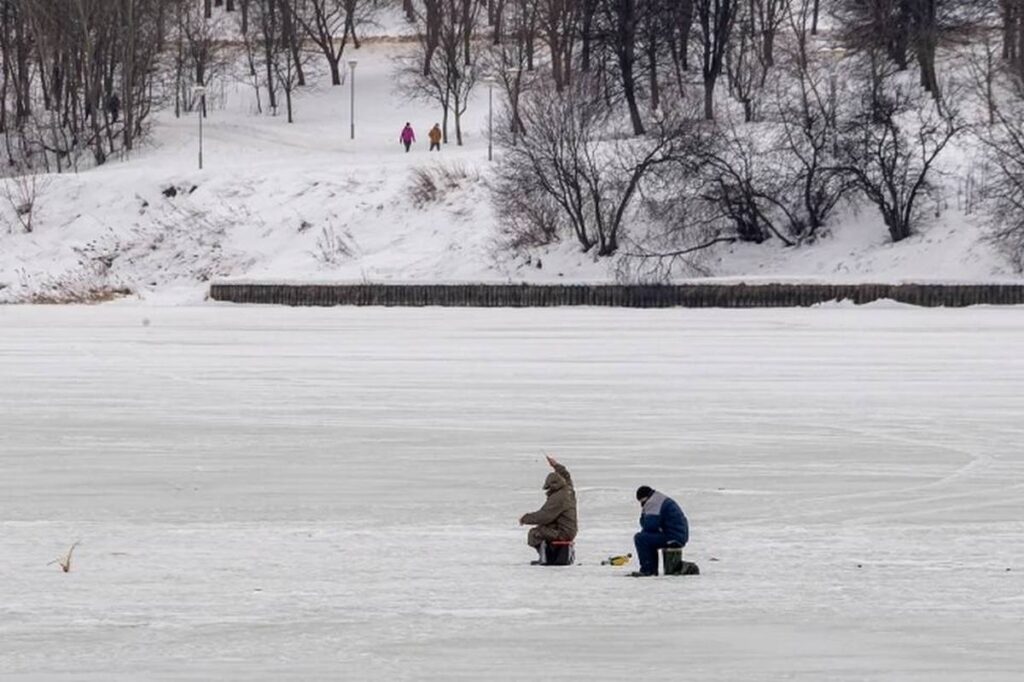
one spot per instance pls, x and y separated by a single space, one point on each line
305 202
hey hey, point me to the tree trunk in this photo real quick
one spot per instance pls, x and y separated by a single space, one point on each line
292 38
5 51
926 61
586 29
1010 19
499 20
629 91
467 31
1018 57
556 69
432 33
927 32
685 26
625 48
652 60
898 228
128 75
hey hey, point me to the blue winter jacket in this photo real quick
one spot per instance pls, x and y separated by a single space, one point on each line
661 514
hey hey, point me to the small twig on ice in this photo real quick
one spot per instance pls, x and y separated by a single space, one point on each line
65 561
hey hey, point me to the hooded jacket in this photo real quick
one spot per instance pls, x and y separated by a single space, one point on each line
559 511
661 514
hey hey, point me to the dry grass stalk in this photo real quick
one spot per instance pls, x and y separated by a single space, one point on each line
65 561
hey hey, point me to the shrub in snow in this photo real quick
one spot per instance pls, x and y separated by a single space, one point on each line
740 176
332 248
890 144
1004 190
582 168
432 183
21 193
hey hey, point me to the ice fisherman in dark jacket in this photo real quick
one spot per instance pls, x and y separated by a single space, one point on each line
556 520
662 524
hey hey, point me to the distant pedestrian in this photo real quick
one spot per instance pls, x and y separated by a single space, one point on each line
407 137
435 136
114 107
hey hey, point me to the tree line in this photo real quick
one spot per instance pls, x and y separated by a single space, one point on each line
703 120
81 78
77 77
710 121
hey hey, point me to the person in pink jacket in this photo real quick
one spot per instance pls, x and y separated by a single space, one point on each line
407 137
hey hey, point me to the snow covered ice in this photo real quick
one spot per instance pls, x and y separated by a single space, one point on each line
269 494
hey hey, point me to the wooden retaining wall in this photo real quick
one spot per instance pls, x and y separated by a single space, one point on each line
627 296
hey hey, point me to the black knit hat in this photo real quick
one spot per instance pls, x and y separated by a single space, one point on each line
643 492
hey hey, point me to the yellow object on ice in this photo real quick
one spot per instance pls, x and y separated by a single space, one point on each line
620 560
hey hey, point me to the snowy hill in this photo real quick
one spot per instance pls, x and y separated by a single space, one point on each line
304 202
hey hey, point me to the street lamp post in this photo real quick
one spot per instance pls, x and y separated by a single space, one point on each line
352 98
201 91
490 119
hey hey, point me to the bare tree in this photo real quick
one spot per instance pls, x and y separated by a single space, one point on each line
557 21
277 42
585 182
745 66
289 64
77 75
1003 141
744 186
716 19
984 67
330 24
905 29
808 113
767 16
200 56
322 21
448 75
889 148
508 61
679 33
623 17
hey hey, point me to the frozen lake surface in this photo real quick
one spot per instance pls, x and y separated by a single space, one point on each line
268 494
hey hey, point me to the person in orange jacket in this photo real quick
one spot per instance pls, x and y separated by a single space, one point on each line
435 136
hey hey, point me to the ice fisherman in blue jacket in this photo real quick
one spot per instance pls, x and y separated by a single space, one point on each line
662 524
